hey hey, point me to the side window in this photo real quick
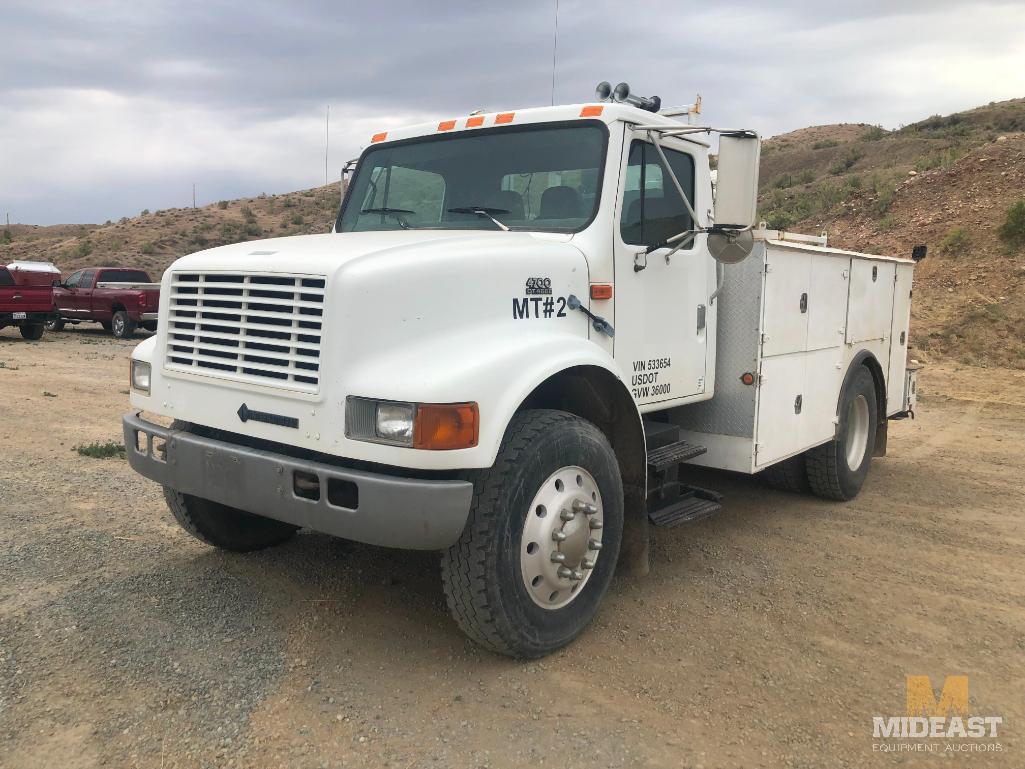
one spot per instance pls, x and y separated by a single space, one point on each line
73 279
85 280
5 277
652 208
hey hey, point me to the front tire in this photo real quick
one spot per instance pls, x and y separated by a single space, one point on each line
225 527
32 331
541 542
121 325
837 470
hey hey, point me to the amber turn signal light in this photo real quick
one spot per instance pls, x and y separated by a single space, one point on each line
446 426
601 291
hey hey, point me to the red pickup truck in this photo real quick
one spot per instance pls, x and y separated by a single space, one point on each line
120 310
28 307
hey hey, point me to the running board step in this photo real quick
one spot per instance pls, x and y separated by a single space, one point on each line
686 510
673 454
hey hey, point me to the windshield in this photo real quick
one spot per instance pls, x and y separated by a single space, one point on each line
542 177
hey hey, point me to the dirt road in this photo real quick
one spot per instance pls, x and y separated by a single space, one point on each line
768 636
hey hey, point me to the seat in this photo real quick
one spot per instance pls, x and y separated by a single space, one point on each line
561 203
663 218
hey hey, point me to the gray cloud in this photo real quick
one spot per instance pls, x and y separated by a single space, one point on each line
108 107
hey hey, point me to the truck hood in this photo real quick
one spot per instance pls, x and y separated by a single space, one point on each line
325 254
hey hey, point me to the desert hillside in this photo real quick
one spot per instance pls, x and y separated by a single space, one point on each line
947 182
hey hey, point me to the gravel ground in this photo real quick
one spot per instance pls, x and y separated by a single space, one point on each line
767 636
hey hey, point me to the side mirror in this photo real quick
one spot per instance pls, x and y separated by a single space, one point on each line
57 284
736 187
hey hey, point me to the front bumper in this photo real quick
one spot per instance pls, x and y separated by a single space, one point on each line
149 316
381 509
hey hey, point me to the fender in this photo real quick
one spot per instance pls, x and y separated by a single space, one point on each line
498 376
868 359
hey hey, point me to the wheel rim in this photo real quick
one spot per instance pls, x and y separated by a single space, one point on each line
119 325
561 538
857 431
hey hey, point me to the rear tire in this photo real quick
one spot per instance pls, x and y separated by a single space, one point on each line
504 588
150 325
55 325
121 325
32 331
789 475
837 470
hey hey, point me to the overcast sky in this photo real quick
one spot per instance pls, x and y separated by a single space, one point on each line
111 106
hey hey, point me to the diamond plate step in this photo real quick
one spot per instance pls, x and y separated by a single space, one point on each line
673 454
683 511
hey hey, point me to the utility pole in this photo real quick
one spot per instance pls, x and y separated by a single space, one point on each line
327 142
193 194
555 49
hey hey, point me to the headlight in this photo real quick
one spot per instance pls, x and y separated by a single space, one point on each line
431 426
394 422
140 376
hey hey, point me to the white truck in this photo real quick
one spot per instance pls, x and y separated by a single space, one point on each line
520 327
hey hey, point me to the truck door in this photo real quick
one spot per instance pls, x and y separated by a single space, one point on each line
82 296
65 298
661 340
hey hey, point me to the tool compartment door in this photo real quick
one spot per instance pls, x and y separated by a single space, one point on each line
780 408
899 339
870 310
827 301
785 312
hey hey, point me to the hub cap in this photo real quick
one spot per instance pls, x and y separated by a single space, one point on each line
857 432
561 537
119 324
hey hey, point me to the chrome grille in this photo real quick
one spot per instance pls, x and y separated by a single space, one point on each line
261 329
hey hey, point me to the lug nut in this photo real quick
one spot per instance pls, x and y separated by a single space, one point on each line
584 507
576 575
565 572
558 558
559 536
593 544
595 523
587 563
567 515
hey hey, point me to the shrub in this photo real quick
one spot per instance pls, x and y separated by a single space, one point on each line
247 214
83 249
105 450
883 201
825 144
222 204
6 238
874 133
807 176
297 220
955 241
1012 231
149 247
253 230
145 212
846 162
123 220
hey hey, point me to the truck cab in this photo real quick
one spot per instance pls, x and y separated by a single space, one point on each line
493 354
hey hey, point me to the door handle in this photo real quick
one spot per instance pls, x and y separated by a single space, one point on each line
701 317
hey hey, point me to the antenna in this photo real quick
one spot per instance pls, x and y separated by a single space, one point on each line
555 49
327 141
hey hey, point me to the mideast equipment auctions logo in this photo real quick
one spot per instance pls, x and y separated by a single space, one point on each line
937 727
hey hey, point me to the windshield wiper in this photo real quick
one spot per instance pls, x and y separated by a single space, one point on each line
484 211
396 212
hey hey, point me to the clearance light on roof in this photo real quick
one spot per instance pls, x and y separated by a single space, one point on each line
446 125
504 117
591 110
379 137
475 122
